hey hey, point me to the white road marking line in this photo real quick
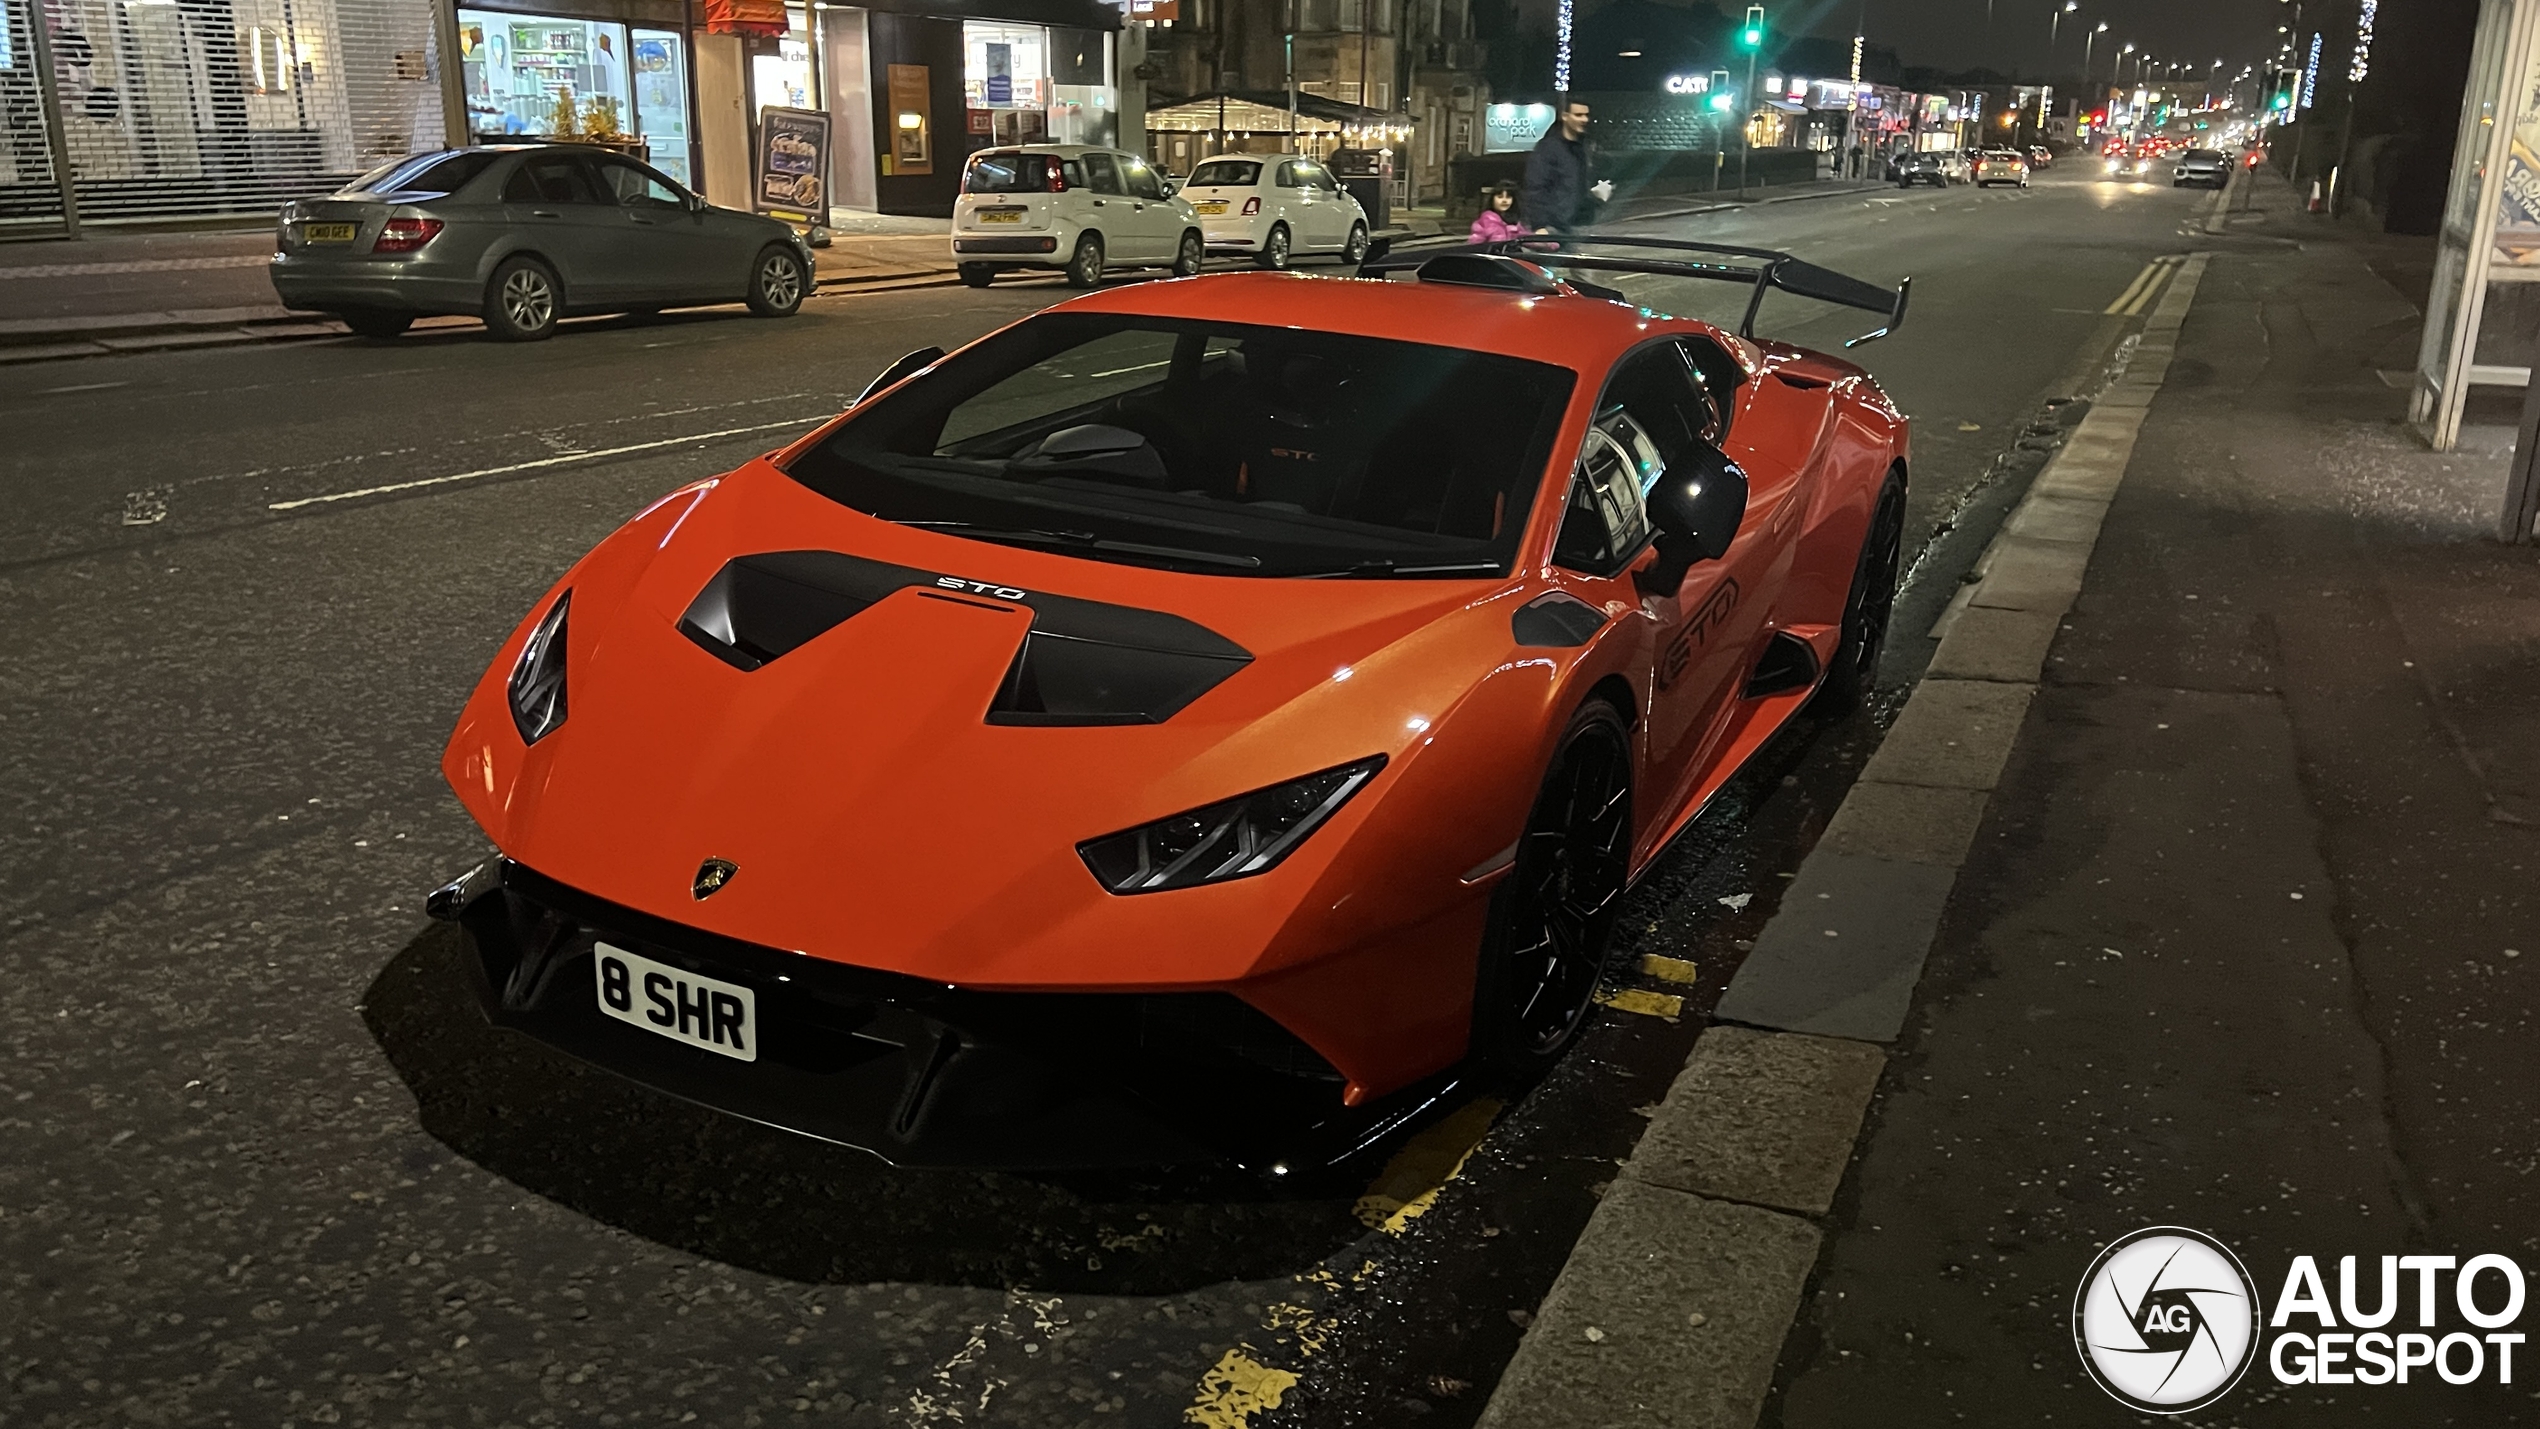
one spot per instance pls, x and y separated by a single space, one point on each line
81 387
506 470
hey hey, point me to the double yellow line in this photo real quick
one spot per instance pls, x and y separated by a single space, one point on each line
2139 293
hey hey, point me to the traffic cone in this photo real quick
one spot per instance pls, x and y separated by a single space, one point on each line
2316 206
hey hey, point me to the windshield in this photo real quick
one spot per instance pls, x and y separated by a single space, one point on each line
1218 448
1226 173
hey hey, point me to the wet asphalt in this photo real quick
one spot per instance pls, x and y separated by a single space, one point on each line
260 1162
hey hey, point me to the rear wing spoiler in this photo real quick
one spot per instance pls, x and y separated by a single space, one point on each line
1764 269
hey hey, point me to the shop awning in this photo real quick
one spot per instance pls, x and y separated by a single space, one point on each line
1259 112
745 17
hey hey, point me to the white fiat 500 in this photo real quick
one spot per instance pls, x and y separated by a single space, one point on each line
1071 208
1271 207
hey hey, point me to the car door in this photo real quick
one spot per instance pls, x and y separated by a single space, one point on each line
1122 241
1656 408
1158 217
671 252
1329 209
552 201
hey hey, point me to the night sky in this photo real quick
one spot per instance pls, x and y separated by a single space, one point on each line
1955 34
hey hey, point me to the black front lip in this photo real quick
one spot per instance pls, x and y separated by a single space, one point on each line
920 1073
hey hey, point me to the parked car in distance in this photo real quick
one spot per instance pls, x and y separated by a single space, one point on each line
1934 169
2208 167
523 235
1069 208
2000 166
2040 157
1271 207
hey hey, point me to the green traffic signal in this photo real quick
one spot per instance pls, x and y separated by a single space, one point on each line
1752 39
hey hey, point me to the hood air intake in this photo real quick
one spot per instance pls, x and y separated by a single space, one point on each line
1083 663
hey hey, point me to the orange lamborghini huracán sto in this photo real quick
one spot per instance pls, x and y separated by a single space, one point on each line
1254 687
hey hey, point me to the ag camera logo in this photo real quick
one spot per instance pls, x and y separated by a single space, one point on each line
2166 1320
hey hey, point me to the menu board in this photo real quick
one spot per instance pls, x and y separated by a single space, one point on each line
793 163
2518 189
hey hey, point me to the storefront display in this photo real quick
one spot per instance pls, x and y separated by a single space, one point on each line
532 76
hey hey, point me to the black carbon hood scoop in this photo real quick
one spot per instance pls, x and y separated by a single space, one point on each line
1084 663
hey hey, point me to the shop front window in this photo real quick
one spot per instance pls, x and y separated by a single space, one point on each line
531 75
1005 82
661 100
782 80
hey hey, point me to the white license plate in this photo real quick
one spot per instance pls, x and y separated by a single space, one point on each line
1214 205
1000 215
720 1017
328 232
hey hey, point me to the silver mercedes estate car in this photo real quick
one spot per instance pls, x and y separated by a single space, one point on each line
522 236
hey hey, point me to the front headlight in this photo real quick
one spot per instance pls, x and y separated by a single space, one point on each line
537 684
1236 838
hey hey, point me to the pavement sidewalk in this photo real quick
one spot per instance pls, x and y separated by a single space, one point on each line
2193 886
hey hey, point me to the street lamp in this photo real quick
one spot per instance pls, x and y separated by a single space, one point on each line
2117 74
2086 41
2054 27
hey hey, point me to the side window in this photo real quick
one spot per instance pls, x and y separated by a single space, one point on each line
1314 176
558 178
1604 522
1106 178
1142 180
1715 383
1287 176
636 187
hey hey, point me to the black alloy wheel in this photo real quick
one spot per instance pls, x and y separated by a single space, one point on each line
1868 607
377 324
1188 258
1553 913
1084 266
778 282
1356 252
522 300
1274 249
978 275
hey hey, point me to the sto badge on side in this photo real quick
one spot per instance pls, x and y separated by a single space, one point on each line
711 876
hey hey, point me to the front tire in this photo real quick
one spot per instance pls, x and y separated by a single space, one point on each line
522 300
1868 607
1274 249
1553 912
778 282
377 324
1084 266
1356 252
1188 258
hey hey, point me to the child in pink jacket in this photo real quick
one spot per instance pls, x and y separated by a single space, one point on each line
1497 222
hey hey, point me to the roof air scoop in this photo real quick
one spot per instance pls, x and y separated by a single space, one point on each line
1489 270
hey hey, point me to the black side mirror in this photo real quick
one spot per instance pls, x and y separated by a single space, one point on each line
924 357
1696 507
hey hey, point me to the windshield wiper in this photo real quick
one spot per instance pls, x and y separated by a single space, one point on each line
1389 567
1085 541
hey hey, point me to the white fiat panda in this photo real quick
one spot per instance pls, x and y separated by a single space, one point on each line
1072 208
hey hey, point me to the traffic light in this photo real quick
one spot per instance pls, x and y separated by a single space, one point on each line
1752 37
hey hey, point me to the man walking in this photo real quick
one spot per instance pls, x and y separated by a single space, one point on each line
1558 190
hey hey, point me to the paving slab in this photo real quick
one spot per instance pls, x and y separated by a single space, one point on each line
1953 734
1762 1117
2022 573
2045 517
1616 1344
1987 643
1842 956
1906 823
